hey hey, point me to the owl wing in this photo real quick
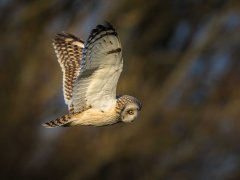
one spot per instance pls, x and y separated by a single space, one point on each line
101 67
68 49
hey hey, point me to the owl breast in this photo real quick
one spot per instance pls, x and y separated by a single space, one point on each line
95 117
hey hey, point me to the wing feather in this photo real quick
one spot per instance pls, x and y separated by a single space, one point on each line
101 67
68 49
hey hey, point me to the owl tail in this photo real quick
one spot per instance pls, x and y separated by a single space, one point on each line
62 121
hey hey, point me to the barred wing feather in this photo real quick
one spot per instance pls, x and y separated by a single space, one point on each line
68 49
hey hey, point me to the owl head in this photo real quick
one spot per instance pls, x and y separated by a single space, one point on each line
131 110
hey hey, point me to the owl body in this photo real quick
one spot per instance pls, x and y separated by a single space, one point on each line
96 117
90 75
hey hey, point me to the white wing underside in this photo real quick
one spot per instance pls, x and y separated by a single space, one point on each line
101 66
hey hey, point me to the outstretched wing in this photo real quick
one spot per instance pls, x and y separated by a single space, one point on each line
69 52
101 67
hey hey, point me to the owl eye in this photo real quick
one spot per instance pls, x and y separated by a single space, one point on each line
130 112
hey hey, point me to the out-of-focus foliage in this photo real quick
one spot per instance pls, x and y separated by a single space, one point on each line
181 59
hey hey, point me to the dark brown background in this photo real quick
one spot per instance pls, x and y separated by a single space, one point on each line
181 59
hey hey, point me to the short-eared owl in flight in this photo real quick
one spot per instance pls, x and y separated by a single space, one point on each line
90 74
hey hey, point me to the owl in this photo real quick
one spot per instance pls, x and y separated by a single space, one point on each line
90 74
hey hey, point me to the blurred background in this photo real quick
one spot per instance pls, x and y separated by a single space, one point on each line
181 59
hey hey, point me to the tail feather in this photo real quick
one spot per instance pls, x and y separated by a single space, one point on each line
58 122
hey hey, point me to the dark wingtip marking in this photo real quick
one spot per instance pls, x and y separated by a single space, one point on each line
114 51
100 28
